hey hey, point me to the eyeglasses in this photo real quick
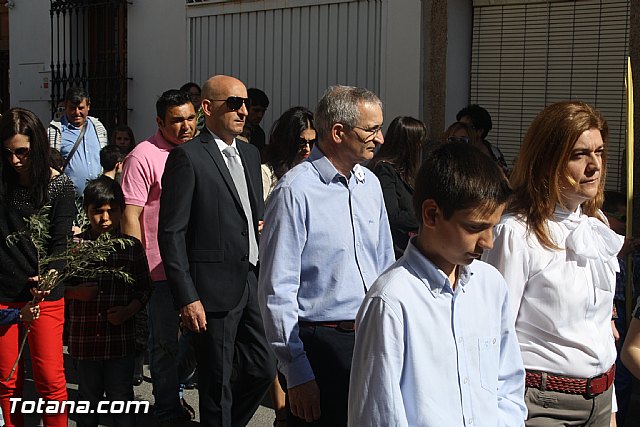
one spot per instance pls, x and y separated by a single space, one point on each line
20 152
371 132
464 139
303 142
234 102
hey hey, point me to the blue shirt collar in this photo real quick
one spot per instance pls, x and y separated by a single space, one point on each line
327 171
65 123
433 278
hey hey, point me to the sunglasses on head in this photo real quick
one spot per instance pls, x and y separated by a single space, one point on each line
234 102
20 152
303 142
458 139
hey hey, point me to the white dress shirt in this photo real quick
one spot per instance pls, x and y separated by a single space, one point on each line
561 299
222 145
428 355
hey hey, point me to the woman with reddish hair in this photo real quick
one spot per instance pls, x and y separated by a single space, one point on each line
559 258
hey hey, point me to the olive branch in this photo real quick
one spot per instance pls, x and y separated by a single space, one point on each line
81 259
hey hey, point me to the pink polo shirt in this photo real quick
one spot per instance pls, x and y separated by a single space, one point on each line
141 183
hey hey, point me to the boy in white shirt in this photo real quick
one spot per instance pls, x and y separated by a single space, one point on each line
435 344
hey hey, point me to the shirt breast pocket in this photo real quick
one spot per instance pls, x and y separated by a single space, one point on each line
489 361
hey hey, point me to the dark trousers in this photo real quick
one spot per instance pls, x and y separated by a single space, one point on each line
329 352
112 378
235 363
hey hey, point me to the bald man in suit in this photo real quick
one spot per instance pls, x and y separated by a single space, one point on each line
210 211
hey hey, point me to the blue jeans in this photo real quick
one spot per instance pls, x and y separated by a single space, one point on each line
163 352
111 377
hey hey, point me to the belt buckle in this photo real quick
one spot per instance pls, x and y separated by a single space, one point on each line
596 382
346 326
607 378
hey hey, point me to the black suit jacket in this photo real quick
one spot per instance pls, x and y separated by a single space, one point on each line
202 230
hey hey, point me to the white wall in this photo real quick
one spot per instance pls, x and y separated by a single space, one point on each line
157 54
401 85
460 27
30 56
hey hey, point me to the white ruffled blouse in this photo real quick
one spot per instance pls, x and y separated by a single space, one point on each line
561 299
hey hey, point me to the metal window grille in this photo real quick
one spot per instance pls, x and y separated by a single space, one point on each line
89 49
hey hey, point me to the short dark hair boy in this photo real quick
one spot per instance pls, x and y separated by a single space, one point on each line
103 191
111 158
258 104
257 97
456 180
436 326
479 117
101 328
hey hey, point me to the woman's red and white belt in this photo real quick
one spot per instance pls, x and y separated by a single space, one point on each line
588 386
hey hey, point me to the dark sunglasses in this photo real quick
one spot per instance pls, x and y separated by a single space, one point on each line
303 142
458 139
234 102
20 152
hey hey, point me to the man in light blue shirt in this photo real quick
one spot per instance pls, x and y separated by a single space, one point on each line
435 344
326 238
84 163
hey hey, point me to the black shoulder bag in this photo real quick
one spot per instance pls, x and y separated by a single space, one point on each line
75 146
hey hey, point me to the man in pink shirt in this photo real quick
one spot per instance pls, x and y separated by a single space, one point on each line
141 184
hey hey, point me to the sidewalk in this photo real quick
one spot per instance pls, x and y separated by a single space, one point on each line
263 418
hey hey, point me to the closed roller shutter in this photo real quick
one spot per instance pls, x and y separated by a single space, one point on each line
293 50
527 56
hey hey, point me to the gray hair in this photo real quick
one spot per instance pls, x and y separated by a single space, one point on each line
339 104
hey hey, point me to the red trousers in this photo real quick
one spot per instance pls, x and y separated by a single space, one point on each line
45 346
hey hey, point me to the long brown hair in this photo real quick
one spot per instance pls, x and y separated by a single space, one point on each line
283 147
542 164
402 147
19 121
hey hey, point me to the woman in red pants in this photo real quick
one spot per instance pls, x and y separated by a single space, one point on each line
29 183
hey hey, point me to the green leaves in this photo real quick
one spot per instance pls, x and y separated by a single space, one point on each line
82 258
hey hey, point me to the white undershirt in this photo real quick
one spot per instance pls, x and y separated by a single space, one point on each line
222 145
